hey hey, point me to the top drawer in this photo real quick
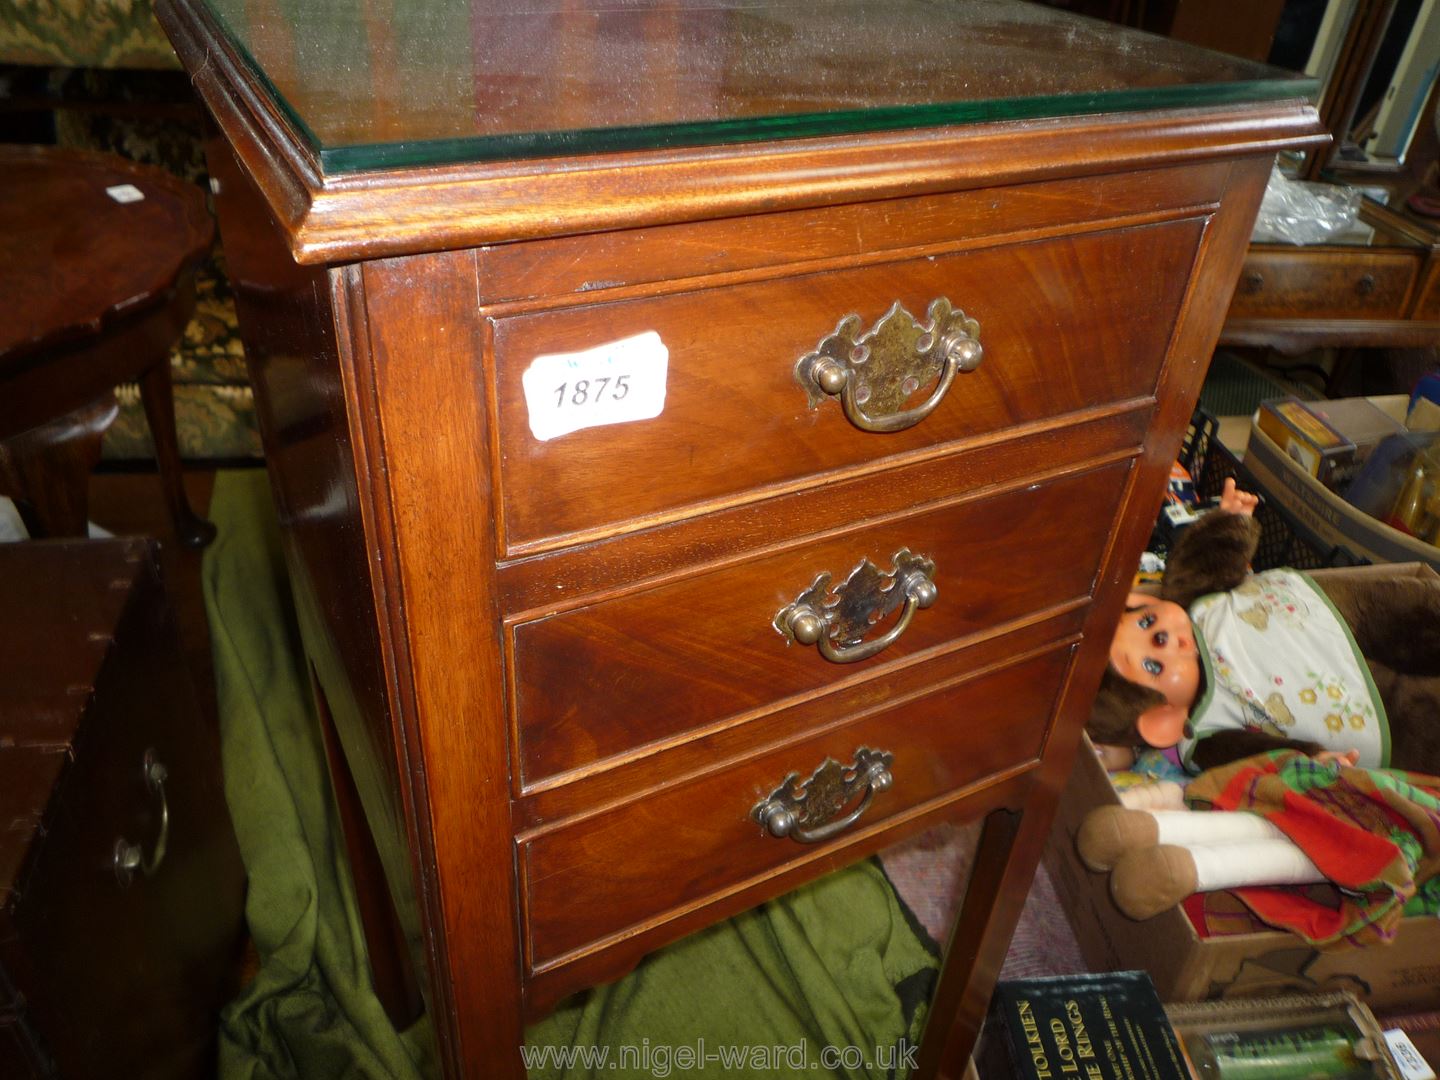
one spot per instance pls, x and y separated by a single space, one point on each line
1067 323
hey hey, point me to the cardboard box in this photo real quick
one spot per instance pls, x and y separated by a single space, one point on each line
1322 518
1309 441
1401 976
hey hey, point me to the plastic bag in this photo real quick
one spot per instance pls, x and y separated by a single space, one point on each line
1301 212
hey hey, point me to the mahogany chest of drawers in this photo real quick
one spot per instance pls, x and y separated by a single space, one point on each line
705 462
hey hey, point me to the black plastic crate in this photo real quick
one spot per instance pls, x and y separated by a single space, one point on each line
1282 541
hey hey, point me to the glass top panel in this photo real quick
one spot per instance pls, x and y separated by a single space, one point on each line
1371 234
383 83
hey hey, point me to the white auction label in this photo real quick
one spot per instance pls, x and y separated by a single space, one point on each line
1402 1051
125 193
613 383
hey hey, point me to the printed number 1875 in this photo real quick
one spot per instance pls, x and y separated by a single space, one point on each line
613 383
592 391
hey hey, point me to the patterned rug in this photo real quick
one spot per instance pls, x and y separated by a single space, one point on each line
929 873
214 403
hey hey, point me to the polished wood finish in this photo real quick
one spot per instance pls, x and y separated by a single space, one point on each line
1381 294
1307 282
551 667
46 469
1115 331
1427 301
107 978
834 236
671 848
1350 296
994 564
76 257
98 286
337 218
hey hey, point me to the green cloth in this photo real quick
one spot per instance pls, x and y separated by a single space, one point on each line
310 1011
833 974
830 972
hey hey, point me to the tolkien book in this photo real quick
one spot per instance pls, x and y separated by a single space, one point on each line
1080 1027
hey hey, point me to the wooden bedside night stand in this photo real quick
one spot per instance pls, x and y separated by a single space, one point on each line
713 439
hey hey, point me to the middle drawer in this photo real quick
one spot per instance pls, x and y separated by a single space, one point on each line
649 667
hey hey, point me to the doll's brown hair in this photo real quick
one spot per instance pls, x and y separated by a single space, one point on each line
1118 705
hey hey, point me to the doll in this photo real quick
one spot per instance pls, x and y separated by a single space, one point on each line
1226 664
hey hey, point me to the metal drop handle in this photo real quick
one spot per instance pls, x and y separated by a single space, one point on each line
131 857
834 621
876 372
807 814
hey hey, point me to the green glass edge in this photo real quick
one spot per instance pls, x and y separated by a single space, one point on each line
341 159
358 158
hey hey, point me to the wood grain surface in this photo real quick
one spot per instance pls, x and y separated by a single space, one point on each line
72 256
735 419
665 663
675 848
1326 284
116 978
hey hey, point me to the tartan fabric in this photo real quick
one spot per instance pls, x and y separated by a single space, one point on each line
1374 833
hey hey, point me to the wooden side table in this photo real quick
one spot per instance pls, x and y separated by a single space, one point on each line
97 261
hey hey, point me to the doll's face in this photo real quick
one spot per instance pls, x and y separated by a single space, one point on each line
1155 647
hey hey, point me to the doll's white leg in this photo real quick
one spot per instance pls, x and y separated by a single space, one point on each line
1163 795
1191 827
1147 881
1252 862
1109 832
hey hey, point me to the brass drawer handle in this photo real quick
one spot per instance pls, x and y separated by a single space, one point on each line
131 857
838 624
1252 283
805 813
1366 285
875 373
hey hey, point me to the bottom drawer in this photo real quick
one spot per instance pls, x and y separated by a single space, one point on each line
674 848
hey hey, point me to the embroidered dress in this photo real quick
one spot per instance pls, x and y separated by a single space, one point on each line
1279 659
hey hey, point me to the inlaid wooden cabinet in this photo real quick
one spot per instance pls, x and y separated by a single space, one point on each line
704 463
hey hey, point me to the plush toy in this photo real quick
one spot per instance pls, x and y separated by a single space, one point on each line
1226 664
